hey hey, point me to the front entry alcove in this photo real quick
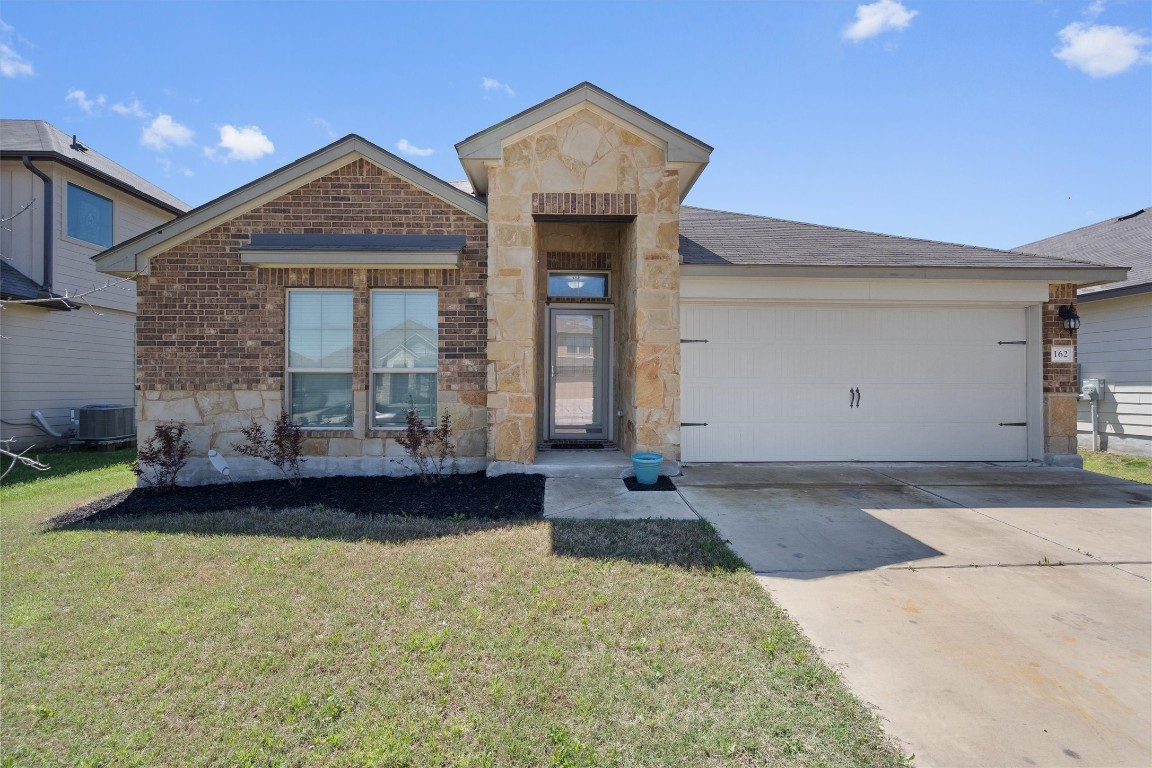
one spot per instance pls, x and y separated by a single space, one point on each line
583 329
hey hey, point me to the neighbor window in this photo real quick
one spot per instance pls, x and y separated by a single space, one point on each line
320 358
405 351
89 216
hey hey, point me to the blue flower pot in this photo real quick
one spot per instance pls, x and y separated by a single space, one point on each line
647 466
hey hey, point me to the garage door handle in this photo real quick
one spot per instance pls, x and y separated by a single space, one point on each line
693 423
854 398
1012 424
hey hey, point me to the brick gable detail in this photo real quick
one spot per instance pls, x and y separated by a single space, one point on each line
207 322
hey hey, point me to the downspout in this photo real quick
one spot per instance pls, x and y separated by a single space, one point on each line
48 239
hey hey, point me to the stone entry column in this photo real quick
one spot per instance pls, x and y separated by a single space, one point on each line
585 168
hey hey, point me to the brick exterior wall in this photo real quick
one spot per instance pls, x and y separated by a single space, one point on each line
1059 378
583 204
207 323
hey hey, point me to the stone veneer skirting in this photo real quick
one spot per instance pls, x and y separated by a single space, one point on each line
214 420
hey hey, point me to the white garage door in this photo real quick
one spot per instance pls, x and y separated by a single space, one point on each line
821 382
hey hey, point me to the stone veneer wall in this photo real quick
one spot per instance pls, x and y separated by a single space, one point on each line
210 330
581 166
1060 390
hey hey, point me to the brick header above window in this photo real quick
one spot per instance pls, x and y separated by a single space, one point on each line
619 206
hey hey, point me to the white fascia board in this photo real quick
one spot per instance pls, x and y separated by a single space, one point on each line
269 188
845 290
332 259
679 148
488 144
1079 276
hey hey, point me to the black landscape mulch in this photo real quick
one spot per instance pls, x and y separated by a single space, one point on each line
663 483
470 496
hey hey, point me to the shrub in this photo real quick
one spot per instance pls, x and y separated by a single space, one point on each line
162 456
430 450
281 449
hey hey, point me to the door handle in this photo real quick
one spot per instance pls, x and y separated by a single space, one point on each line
854 397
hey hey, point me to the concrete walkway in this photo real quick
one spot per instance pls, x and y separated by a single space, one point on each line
601 499
994 615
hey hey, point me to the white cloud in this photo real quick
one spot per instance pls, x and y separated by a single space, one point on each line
187 172
13 64
247 142
325 126
164 133
134 109
490 84
408 148
1100 50
86 105
878 17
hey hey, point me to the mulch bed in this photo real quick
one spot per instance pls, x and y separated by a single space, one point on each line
663 483
469 496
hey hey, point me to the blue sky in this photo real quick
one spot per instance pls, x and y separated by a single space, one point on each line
988 123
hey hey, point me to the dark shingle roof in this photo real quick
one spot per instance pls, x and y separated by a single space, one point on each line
14 284
37 138
719 237
1125 241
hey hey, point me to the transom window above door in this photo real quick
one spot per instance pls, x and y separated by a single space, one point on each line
578 285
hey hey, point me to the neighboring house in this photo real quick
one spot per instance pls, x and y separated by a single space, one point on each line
63 203
1115 336
573 300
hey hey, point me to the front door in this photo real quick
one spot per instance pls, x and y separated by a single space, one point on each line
578 375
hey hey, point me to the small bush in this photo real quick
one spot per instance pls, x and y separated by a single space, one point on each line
430 450
281 449
162 456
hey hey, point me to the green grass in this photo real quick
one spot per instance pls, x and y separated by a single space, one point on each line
1126 467
311 637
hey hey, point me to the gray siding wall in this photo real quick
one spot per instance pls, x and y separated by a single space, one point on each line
53 361
1115 343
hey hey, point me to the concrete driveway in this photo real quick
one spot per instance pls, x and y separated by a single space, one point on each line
994 615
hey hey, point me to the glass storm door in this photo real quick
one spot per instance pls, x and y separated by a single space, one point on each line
578 374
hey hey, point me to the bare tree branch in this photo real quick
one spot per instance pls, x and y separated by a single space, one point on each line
18 458
5 219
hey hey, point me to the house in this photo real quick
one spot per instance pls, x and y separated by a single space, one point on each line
1115 336
62 203
575 300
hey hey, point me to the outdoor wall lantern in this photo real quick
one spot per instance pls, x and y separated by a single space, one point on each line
1070 318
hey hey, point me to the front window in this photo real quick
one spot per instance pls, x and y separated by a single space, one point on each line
405 352
89 216
320 358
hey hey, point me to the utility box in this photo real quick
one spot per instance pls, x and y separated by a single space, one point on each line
1092 389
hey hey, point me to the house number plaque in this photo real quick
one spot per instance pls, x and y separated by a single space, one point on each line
1063 354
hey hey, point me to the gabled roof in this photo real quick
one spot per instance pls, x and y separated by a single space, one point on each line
37 139
682 149
14 284
714 241
1124 241
132 255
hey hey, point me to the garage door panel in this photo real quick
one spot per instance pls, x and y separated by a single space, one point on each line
773 383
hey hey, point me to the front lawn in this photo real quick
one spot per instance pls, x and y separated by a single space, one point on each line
1117 465
315 637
